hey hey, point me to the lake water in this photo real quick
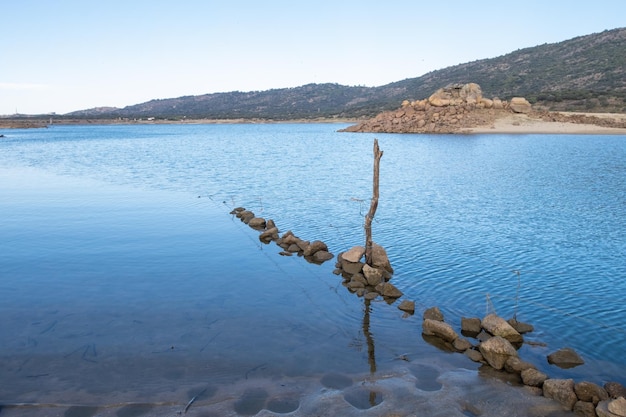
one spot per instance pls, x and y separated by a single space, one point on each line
127 288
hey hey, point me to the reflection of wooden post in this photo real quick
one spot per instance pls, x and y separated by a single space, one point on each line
373 205
371 352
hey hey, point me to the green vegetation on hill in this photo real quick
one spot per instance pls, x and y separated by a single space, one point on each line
587 73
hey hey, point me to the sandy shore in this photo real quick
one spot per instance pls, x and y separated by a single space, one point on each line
525 124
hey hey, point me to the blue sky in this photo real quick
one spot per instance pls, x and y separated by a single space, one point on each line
60 56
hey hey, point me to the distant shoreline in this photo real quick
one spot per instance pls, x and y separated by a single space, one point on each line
512 124
39 123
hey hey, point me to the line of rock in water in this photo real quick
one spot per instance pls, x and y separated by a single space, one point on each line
315 252
498 341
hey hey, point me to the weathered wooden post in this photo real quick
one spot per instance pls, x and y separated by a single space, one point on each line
373 205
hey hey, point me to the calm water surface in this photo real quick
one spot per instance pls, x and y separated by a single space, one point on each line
123 272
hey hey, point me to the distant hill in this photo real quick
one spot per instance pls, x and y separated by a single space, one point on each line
587 73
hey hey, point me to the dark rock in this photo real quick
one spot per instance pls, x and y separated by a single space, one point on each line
497 351
515 365
245 216
315 246
270 224
352 267
374 276
360 278
565 358
371 295
475 355
561 390
483 336
322 256
387 289
590 392
521 328
433 313
407 306
461 344
257 223
533 377
353 285
269 235
380 259
470 326
584 409
293 248
615 389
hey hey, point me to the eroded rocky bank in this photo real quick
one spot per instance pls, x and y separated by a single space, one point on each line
461 108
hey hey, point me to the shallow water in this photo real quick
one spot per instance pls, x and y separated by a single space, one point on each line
125 280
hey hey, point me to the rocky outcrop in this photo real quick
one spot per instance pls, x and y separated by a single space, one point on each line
448 110
459 107
520 105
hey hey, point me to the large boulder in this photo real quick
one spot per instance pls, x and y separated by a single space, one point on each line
618 407
470 326
351 268
374 276
433 313
497 351
533 377
590 392
497 326
561 390
257 223
612 408
354 254
615 389
520 105
471 92
440 329
380 259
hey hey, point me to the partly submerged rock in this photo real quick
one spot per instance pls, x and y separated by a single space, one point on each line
497 351
565 358
561 390
497 326
440 329
354 254
433 313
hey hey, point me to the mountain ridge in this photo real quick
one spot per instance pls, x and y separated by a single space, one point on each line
585 73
